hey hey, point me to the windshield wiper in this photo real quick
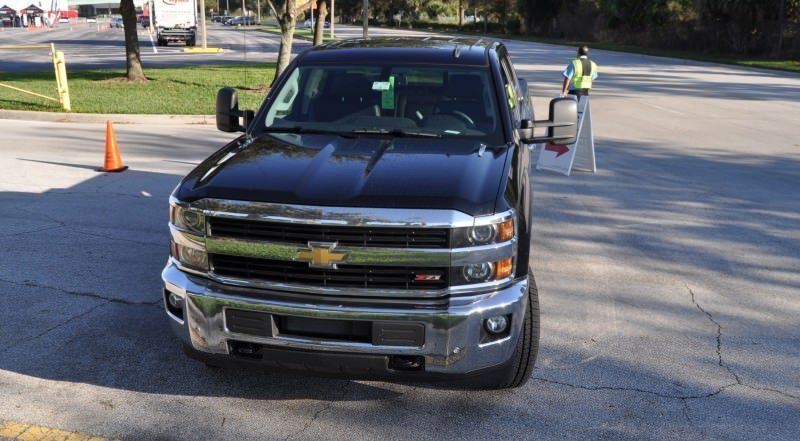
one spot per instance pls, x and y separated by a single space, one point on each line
396 133
305 131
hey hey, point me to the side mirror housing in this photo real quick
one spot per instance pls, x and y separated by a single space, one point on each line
228 112
562 127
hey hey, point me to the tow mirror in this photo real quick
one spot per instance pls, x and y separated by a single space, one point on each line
228 112
562 127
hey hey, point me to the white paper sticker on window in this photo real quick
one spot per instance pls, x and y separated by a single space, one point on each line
381 85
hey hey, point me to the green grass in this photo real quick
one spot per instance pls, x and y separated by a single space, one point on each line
303 33
189 90
772 64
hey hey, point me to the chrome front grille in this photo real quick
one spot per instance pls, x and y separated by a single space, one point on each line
289 233
344 276
334 253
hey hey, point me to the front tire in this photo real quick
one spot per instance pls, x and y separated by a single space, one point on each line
519 370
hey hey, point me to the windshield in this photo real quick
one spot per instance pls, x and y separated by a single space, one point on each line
447 101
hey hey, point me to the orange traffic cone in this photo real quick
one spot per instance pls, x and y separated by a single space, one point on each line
113 159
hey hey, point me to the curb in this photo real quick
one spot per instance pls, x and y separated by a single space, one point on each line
199 50
30 115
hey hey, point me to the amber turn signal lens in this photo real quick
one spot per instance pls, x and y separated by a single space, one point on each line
505 230
503 268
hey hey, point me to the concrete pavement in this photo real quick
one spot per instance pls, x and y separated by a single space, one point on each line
668 281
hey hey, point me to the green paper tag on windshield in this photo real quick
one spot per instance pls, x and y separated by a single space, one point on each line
387 95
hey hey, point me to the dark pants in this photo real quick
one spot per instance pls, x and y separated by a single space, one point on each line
579 92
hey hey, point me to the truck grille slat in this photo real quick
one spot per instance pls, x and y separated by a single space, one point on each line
344 235
355 276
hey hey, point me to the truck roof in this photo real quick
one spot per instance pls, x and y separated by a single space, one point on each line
427 50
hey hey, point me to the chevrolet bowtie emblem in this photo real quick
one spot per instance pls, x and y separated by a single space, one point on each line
320 255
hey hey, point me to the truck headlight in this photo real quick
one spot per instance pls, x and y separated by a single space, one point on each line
483 272
190 257
487 233
187 219
188 226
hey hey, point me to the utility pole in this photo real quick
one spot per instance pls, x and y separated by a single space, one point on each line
152 15
258 10
332 19
366 19
202 18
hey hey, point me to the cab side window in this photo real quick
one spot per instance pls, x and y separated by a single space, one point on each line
511 89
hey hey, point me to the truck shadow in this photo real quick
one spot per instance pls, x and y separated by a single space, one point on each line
80 293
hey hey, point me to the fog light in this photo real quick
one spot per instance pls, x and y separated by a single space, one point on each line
175 300
496 325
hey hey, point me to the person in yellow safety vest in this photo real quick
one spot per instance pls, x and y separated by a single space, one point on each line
579 74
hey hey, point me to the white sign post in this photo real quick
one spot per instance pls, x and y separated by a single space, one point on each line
580 156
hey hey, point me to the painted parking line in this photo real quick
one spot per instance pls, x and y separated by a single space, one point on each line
152 43
14 430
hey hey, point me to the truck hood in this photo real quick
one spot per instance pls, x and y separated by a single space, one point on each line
353 172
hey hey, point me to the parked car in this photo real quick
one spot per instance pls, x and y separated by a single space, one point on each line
63 20
307 24
91 19
233 20
116 22
374 221
220 18
242 21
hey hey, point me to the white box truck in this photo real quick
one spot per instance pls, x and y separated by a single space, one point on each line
175 20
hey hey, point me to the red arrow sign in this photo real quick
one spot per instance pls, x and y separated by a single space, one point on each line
559 149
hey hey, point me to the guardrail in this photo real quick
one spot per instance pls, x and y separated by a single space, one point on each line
59 67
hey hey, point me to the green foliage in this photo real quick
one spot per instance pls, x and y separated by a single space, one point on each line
189 90
435 8
636 14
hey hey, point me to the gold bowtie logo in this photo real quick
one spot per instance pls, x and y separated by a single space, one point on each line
320 255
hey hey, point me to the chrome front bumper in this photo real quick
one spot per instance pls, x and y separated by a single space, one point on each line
452 343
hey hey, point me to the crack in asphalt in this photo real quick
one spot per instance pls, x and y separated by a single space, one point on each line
48 330
720 361
686 412
710 317
319 412
92 295
122 239
637 390
21 233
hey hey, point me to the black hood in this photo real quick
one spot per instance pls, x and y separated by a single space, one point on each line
357 172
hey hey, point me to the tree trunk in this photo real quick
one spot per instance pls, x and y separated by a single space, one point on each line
526 22
776 50
319 28
365 19
287 19
133 61
504 17
460 14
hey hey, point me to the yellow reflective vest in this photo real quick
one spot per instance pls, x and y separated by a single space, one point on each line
581 79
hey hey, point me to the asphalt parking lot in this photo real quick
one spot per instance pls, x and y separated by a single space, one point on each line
668 280
86 47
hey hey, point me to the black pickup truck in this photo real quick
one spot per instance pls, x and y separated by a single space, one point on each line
373 221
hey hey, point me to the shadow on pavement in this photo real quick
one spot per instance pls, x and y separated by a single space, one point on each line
80 293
